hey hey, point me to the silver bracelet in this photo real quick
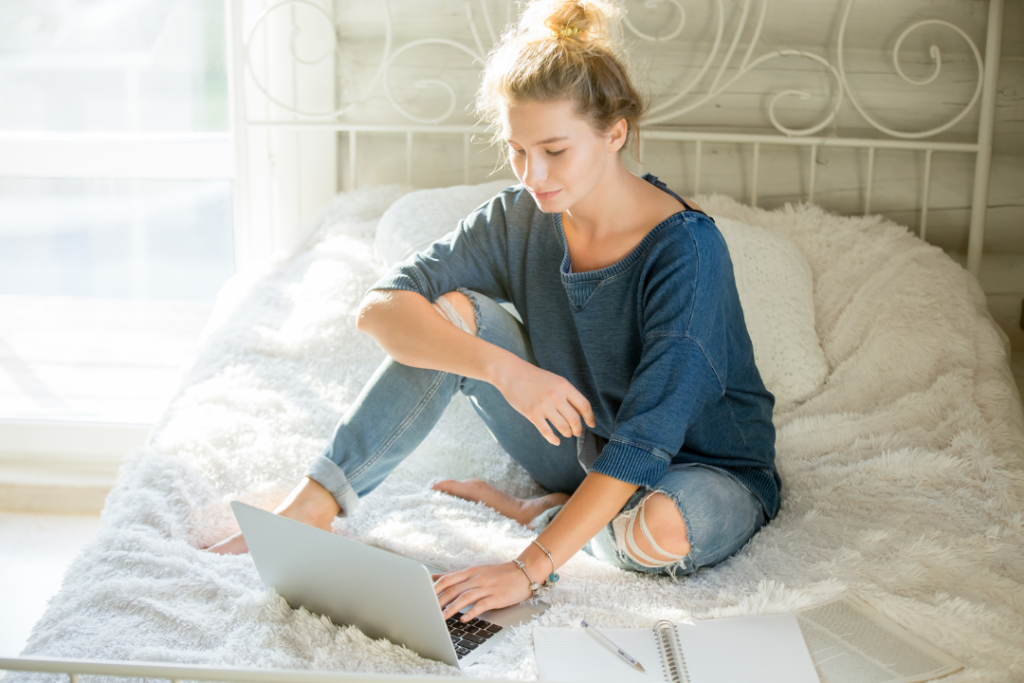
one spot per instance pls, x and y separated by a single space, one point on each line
552 577
534 586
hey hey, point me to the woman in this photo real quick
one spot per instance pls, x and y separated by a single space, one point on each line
629 390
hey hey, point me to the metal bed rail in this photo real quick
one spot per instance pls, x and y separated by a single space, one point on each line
353 130
74 669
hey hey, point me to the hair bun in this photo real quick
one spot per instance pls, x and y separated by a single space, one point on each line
581 21
562 50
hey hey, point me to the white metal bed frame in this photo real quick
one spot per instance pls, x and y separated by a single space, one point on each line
806 138
176 673
809 137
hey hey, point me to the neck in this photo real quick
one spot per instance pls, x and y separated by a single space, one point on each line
601 212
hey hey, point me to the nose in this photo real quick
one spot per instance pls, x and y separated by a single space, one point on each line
534 172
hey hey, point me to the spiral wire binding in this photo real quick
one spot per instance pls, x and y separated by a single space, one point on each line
668 645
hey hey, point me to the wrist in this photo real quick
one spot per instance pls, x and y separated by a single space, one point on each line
499 367
532 582
536 563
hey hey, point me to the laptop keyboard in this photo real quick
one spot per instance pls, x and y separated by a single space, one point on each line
468 636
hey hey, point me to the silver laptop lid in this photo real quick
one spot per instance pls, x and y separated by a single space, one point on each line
383 594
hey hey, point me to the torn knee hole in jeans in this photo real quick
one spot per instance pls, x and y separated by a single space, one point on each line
445 308
476 308
624 530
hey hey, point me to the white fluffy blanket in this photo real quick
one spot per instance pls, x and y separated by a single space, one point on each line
902 474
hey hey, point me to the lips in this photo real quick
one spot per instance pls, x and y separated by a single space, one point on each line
541 196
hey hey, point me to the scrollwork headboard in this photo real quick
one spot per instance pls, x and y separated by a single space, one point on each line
368 92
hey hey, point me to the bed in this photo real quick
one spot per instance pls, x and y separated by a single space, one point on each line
903 471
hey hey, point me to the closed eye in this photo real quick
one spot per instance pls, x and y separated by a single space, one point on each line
549 152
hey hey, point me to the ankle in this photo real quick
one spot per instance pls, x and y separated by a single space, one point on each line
309 513
310 503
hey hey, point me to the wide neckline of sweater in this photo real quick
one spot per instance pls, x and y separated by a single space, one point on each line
565 268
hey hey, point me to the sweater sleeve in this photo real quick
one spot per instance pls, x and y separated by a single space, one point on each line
473 255
682 364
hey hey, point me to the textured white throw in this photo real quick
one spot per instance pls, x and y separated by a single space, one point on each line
902 473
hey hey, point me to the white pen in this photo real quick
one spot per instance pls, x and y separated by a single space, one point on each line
603 639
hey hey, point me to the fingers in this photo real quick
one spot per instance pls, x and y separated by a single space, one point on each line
465 599
572 407
560 404
486 587
567 420
443 582
560 418
452 601
582 407
541 423
479 608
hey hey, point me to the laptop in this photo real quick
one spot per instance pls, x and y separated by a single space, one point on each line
384 594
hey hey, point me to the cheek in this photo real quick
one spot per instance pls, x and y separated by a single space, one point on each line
517 164
584 167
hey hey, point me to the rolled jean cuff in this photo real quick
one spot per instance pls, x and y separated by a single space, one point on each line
325 472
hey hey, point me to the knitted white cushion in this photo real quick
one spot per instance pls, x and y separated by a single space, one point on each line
773 278
776 288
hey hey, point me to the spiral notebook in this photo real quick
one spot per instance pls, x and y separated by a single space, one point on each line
765 648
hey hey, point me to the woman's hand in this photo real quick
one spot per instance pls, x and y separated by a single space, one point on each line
491 586
543 396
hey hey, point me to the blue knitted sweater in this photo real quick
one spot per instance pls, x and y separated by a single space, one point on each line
656 342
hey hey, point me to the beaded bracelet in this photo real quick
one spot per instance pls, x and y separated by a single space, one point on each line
534 586
552 577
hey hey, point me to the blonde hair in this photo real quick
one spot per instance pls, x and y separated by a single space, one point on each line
562 49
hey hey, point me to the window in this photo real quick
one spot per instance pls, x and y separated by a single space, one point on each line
115 201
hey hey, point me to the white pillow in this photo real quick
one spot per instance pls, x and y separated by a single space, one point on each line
773 278
776 288
419 218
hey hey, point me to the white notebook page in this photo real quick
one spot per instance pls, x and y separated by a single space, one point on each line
758 649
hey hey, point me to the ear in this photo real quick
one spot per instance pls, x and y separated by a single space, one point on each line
616 135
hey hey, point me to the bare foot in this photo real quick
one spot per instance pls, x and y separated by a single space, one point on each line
232 545
309 503
523 511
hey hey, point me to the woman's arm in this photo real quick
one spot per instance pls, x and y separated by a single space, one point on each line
411 331
597 500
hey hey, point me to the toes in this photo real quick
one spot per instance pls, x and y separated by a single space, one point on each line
232 545
469 489
452 487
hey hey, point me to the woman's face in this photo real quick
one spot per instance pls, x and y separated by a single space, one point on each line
557 155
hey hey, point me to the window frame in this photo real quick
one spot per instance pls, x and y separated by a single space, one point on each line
63 449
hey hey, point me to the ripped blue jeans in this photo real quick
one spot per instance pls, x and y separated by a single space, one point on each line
400 404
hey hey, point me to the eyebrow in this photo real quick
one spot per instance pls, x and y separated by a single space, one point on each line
550 140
